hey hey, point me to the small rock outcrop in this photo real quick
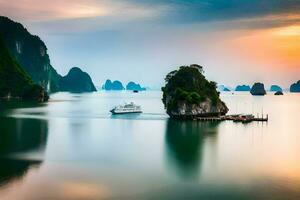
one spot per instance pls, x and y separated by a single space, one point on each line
278 93
243 88
258 89
134 86
187 94
275 88
77 81
15 83
295 87
115 85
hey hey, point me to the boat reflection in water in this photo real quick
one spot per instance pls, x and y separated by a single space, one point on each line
184 144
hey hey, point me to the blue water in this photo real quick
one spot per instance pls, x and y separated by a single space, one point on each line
73 148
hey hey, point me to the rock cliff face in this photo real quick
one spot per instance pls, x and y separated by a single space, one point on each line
275 88
116 85
31 52
77 81
134 86
244 88
295 87
206 108
187 94
258 89
15 82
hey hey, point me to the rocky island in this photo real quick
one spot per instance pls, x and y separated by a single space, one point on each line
15 83
295 87
77 81
243 88
258 89
275 88
188 95
134 86
115 85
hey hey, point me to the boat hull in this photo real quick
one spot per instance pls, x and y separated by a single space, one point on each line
124 112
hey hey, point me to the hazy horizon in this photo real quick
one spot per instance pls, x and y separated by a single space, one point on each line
236 42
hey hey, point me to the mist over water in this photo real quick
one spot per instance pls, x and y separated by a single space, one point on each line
73 146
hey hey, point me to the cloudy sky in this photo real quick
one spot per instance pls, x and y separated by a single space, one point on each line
236 41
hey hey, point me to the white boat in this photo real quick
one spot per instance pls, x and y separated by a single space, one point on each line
126 108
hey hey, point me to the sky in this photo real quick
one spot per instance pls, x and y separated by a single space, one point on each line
237 42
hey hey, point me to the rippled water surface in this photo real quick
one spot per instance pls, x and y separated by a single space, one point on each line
72 148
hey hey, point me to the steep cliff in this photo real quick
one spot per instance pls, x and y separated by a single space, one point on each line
187 94
77 81
15 82
31 52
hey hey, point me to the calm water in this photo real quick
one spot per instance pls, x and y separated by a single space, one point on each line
72 148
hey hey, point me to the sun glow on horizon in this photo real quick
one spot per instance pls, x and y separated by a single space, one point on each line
275 48
288 31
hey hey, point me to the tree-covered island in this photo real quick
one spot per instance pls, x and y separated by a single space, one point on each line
187 94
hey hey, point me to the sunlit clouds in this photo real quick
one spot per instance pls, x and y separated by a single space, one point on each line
36 10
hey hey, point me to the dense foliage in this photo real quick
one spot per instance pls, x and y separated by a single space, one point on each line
14 81
190 85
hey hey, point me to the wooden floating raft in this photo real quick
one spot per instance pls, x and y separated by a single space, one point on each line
236 118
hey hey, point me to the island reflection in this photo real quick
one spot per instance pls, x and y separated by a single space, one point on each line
184 145
20 136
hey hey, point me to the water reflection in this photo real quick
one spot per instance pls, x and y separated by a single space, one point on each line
19 138
184 144
11 170
20 135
